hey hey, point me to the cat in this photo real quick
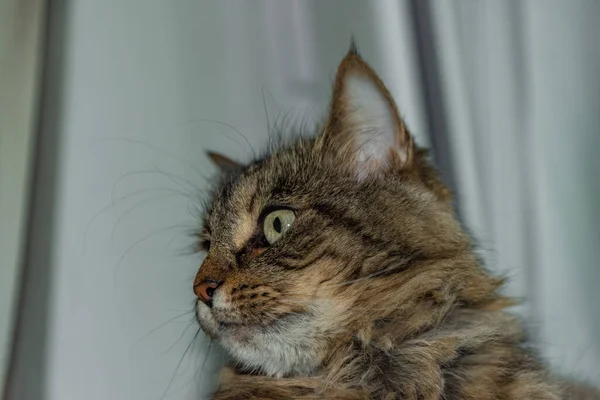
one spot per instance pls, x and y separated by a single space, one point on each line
336 268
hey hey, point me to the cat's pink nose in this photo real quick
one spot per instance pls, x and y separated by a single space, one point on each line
206 289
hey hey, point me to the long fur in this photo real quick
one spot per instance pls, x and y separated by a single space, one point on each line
374 293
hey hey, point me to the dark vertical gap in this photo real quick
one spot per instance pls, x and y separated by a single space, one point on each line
431 82
527 191
26 376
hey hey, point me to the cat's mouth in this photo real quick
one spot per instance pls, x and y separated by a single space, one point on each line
218 323
274 347
207 321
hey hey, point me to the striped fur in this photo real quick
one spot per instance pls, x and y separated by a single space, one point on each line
375 292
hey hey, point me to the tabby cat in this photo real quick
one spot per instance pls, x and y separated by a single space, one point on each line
336 269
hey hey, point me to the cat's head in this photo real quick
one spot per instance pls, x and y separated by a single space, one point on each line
348 237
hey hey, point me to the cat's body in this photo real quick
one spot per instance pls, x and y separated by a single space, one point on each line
336 269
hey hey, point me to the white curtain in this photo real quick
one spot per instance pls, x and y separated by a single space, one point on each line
506 94
521 90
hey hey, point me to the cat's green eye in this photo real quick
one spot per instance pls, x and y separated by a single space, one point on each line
277 223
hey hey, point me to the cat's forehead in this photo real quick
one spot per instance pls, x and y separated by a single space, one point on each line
232 216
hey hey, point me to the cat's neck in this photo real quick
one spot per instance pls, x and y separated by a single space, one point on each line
425 357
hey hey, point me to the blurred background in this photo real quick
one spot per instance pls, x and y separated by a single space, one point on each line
107 108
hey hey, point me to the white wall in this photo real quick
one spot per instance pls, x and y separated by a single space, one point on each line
128 85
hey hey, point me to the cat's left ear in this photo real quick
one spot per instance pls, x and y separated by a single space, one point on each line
364 125
224 164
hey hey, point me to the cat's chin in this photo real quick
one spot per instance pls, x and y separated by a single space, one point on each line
287 346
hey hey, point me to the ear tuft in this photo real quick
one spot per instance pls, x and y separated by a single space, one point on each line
353 50
224 164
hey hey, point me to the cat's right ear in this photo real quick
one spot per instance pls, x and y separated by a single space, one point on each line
224 164
364 129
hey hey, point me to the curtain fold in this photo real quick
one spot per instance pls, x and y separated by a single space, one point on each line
22 28
519 85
